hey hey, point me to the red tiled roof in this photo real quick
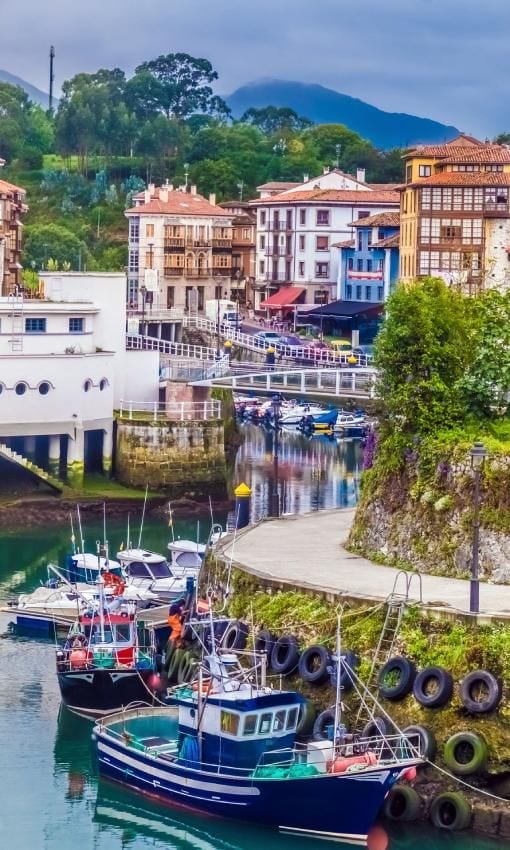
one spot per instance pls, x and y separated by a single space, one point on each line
462 141
179 203
383 187
479 156
277 185
327 196
389 242
285 297
349 243
10 187
465 178
384 219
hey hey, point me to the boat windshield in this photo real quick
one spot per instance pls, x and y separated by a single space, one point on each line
160 570
94 635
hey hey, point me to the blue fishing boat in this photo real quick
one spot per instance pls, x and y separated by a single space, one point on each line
228 747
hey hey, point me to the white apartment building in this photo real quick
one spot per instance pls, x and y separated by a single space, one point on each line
180 250
64 369
298 227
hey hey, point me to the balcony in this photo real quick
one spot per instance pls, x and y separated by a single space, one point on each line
201 242
173 271
278 251
222 243
278 277
498 209
281 226
198 273
174 242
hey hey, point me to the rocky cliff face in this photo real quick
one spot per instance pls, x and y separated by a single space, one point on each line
422 516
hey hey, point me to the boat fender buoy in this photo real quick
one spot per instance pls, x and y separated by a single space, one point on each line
402 804
78 659
410 774
405 673
344 763
439 694
480 692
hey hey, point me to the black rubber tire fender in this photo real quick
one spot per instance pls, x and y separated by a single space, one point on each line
306 718
450 810
465 753
402 804
374 728
443 691
235 636
322 721
285 655
264 642
313 664
428 743
406 675
473 682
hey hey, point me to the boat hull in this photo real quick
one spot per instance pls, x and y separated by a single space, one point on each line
97 692
339 807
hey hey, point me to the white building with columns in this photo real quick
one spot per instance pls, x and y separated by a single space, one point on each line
298 227
64 369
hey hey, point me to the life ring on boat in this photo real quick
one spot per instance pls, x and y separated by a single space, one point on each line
114 582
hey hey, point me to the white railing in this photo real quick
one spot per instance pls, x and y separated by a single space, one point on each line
180 369
178 349
177 411
347 383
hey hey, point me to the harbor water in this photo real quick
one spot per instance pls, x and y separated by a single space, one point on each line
51 798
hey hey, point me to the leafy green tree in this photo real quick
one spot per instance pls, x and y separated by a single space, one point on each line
422 352
276 119
176 85
53 241
24 126
485 385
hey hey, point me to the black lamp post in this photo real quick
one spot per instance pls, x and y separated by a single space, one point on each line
143 292
478 454
276 408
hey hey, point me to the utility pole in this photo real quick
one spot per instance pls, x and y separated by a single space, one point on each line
52 78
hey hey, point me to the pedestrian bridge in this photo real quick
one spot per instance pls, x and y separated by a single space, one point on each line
357 384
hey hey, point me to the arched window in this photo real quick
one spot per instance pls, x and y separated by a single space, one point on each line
21 388
103 383
87 385
44 387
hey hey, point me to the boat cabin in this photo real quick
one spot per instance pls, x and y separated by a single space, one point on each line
86 567
102 642
186 555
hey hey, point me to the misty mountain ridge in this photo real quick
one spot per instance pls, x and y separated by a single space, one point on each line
35 94
327 106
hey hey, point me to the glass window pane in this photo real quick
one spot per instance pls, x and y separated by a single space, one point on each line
250 724
265 724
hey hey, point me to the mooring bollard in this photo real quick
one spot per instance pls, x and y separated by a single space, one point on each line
270 356
242 508
227 347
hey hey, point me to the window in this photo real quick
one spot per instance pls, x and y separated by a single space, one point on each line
348 292
103 383
279 721
44 388
409 173
321 269
321 243
358 293
368 293
264 723
302 242
87 386
380 265
229 722
122 633
350 263
301 267
250 724
450 232
359 240
424 170
369 265
292 718
21 388
321 296
363 214
133 261
149 230
35 326
262 242
359 264
76 326
137 569
170 297
494 168
262 266
263 217
134 229
302 216
323 217
380 293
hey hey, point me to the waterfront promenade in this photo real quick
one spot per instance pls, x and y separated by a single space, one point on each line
307 552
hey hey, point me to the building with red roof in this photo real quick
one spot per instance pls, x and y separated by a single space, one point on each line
12 208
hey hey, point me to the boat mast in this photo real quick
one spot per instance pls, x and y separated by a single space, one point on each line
171 521
101 588
81 532
143 516
73 537
338 703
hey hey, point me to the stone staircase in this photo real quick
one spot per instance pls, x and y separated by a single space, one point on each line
14 457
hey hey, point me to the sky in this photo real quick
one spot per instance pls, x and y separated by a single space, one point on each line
442 59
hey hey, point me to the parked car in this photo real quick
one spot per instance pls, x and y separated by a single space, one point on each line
268 337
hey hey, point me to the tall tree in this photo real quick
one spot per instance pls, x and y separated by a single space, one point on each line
177 85
276 119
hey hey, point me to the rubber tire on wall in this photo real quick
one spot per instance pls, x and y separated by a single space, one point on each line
305 669
443 693
285 655
374 728
477 762
235 636
428 740
492 685
402 804
264 642
405 683
306 719
323 720
451 802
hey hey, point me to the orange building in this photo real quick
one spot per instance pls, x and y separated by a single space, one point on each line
12 207
244 228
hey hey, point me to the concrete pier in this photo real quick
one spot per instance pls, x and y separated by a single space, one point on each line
308 552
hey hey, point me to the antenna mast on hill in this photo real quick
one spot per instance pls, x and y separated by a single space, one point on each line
52 77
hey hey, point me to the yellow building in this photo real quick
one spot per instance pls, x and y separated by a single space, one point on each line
455 214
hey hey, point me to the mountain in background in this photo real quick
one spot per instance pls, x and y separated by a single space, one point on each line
326 106
33 92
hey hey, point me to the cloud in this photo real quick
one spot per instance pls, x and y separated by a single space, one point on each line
445 60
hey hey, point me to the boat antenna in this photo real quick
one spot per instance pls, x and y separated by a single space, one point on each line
171 521
81 530
73 537
143 516
211 511
104 524
338 659
101 588
128 542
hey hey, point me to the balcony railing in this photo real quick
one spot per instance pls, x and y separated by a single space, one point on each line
278 277
174 242
201 242
278 251
222 243
498 209
281 226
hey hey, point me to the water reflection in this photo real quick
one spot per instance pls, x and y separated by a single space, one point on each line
311 473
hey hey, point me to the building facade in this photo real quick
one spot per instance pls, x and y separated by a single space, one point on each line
180 250
369 263
455 214
12 208
297 229
244 228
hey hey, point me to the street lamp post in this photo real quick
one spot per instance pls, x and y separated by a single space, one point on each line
478 454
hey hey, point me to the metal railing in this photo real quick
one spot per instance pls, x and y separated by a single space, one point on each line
138 342
343 383
177 411
193 370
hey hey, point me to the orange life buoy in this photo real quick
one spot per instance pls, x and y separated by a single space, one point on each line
114 582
